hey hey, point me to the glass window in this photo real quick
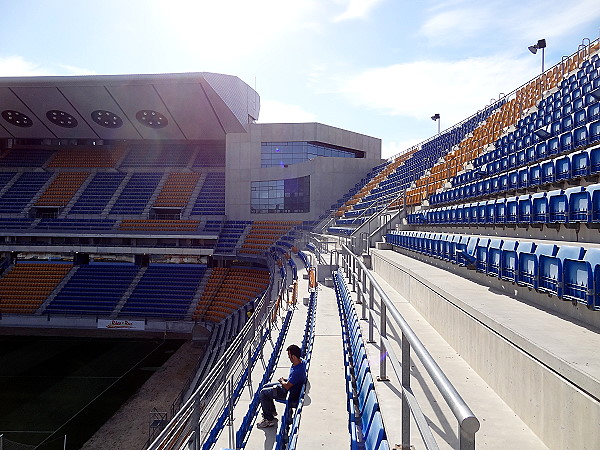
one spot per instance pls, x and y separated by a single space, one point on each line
285 153
280 196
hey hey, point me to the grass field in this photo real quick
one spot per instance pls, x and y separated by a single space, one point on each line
56 386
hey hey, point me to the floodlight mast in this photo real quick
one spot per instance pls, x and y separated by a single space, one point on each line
541 44
436 118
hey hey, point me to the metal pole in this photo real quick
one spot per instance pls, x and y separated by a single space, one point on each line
405 347
65 443
364 288
371 303
466 440
382 351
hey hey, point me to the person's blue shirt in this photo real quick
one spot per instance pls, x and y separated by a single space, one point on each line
297 377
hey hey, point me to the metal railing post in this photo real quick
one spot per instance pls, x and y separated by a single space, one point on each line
466 440
353 275
382 351
405 347
371 304
364 288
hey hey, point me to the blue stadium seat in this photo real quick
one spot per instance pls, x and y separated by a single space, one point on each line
581 278
594 132
481 254
548 171
527 268
494 257
594 191
466 252
557 206
508 260
500 214
535 175
550 268
512 206
563 167
524 209
580 135
595 160
580 163
523 177
539 208
580 204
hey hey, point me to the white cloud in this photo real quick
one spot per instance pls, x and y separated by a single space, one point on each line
277 112
459 21
226 29
356 9
16 66
456 90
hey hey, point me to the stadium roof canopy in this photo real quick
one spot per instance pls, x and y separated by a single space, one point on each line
185 106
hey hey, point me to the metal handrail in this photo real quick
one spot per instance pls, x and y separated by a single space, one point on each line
467 421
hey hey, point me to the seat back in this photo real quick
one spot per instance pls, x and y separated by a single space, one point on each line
557 206
579 204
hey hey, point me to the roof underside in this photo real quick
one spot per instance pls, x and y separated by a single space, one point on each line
192 106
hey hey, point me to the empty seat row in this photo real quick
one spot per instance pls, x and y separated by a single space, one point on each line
570 272
365 422
565 168
559 206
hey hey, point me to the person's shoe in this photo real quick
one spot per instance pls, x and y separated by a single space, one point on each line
274 413
265 423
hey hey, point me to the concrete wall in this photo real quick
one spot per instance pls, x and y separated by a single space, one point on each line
330 178
554 407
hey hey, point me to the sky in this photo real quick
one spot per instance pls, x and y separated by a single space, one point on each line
376 67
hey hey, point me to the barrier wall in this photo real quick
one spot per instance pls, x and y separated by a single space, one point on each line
548 392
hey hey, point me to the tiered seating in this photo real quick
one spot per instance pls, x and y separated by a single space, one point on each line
76 225
155 154
87 157
263 234
161 225
177 190
24 157
573 205
97 193
571 272
210 156
26 286
230 235
229 289
18 196
211 199
407 168
135 196
365 422
94 288
62 189
165 290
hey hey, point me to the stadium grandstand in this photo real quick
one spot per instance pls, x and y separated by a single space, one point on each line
448 297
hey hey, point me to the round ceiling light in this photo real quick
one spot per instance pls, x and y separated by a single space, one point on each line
17 118
151 118
106 119
61 118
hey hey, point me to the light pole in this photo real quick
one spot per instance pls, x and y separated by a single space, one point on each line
436 118
541 44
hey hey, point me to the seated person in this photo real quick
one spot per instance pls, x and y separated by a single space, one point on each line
292 385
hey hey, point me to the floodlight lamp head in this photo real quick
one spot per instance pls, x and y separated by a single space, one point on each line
541 43
533 49
435 116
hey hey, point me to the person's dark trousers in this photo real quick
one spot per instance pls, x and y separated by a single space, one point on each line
267 395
